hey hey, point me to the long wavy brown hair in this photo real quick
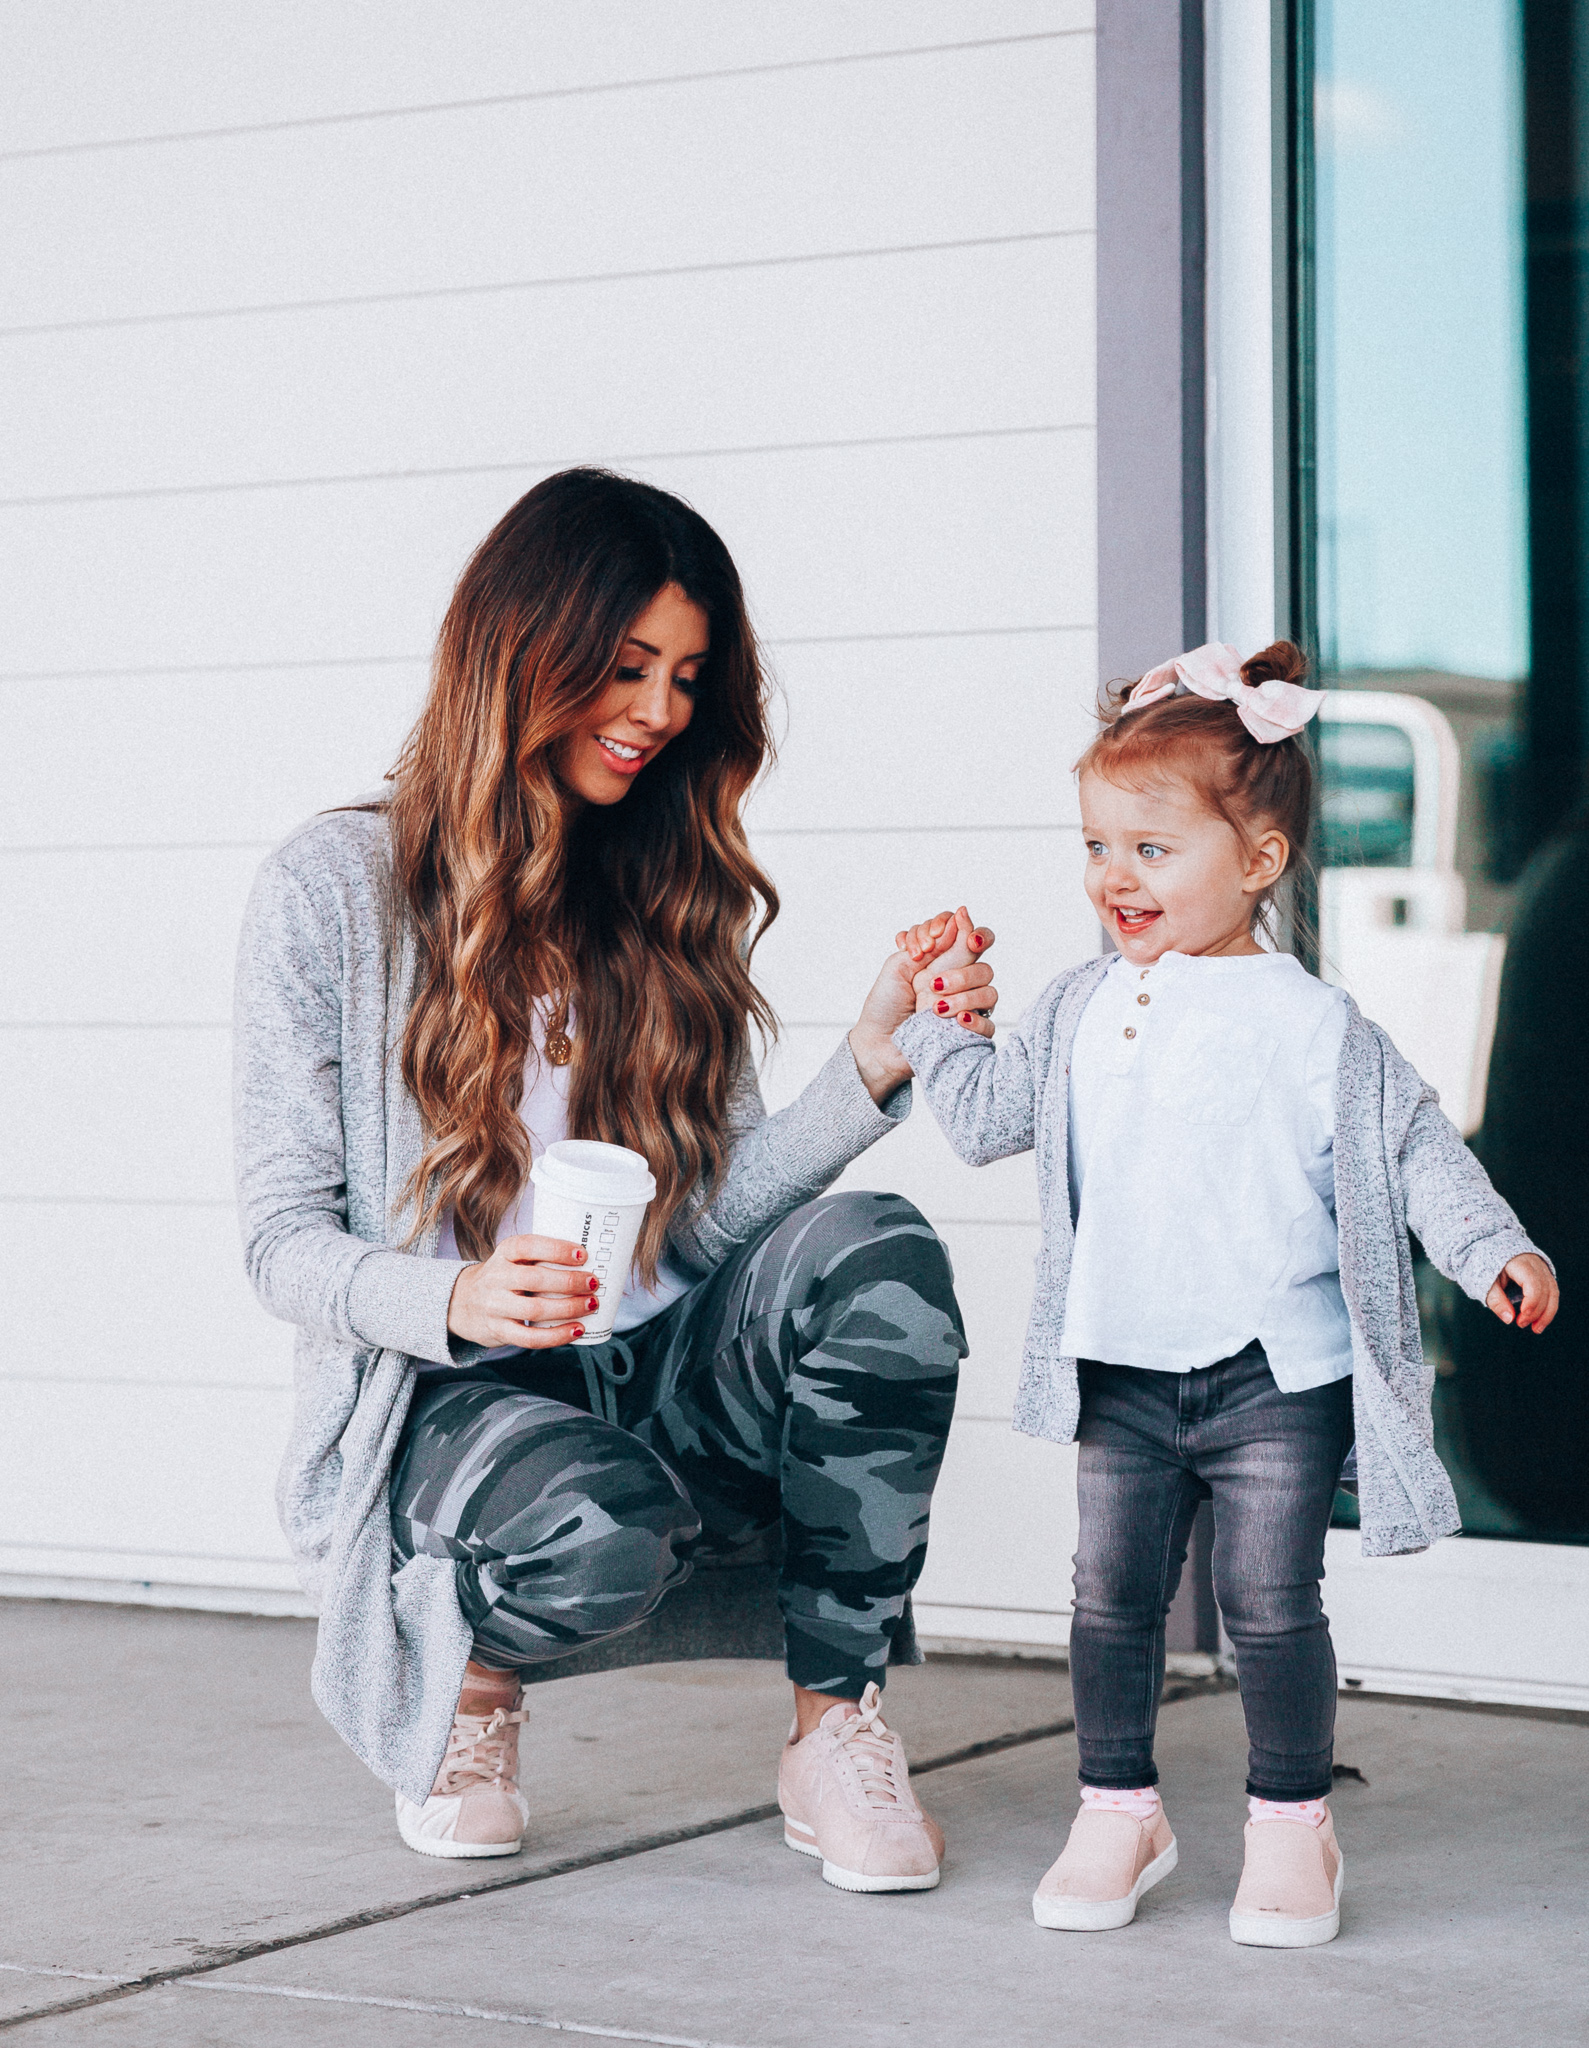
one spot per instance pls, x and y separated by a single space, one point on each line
640 916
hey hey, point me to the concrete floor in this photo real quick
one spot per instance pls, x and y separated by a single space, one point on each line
179 1812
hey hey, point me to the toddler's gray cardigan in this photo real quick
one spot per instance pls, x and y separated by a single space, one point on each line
1400 1163
326 1139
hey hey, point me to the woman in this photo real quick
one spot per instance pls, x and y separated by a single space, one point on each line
544 931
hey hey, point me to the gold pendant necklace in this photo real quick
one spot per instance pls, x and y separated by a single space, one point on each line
557 1045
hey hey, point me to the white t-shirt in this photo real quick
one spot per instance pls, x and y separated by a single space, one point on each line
544 1114
1202 1131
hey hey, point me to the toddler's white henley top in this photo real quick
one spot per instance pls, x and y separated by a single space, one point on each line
1202 1125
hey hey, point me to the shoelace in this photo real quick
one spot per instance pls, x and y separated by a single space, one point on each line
477 1750
870 1746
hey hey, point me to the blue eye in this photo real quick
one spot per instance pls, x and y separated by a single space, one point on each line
1150 852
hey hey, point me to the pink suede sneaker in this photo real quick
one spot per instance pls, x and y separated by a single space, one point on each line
1290 1890
1110 1860
475 1807
846 1797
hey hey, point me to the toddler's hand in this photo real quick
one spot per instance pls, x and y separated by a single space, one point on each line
939 935
957 982
1535 1284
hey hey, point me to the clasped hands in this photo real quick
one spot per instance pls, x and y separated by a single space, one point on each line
965 993
912 979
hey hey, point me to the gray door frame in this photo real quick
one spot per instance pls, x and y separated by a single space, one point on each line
1152 368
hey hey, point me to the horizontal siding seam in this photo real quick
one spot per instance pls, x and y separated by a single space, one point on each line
921 1601
8 1543
219 1202
902 831
115 1024
215 1024
941 1222
33 1201
262 846
275 309
144 846
942 633
653 82
254 668
142 493
39 1379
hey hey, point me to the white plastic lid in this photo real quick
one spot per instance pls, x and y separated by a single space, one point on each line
585 1170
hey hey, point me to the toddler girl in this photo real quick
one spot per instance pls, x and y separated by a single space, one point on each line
1230 1158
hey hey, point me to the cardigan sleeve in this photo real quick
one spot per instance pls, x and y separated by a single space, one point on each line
290 1147
1452 1208
777 1162
985 1099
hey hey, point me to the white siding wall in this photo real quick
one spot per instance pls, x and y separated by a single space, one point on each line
297 301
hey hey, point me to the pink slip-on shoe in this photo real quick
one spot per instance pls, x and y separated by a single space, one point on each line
475 1807
1290 1890
846 1797
1110 1860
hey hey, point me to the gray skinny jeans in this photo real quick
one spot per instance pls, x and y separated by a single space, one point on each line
1153 1446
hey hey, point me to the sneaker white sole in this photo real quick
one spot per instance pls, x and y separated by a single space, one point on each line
1275 1930
432 1845
804 1844
1096 1916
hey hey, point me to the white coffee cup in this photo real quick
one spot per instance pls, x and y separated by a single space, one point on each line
594 1195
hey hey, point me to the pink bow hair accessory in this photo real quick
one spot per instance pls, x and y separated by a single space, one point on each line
1270 710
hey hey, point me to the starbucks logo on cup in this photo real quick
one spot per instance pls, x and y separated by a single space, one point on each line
594 1195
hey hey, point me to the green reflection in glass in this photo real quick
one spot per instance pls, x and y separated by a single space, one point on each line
1366 795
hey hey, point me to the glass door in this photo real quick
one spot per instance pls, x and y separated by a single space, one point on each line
1450 404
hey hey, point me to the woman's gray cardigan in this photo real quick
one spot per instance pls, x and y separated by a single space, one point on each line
326 1139
1400 1163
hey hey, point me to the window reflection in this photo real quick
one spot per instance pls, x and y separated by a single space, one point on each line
1367 796
1451 247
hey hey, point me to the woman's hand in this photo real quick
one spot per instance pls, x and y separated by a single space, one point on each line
532 1292
964 993
1537 1284
893 998
954 982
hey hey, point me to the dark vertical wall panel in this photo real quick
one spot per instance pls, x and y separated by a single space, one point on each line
1152 484
1151 247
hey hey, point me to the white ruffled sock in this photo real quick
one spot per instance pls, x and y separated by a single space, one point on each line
1313 1811
1142 1802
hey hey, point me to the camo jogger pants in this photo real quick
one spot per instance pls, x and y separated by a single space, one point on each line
805 1386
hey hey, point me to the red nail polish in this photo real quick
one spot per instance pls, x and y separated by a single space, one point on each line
943 1009
579 1255
976 939
965 1016
579 1329
938 984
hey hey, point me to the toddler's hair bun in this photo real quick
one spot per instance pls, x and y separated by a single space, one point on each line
1282 661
